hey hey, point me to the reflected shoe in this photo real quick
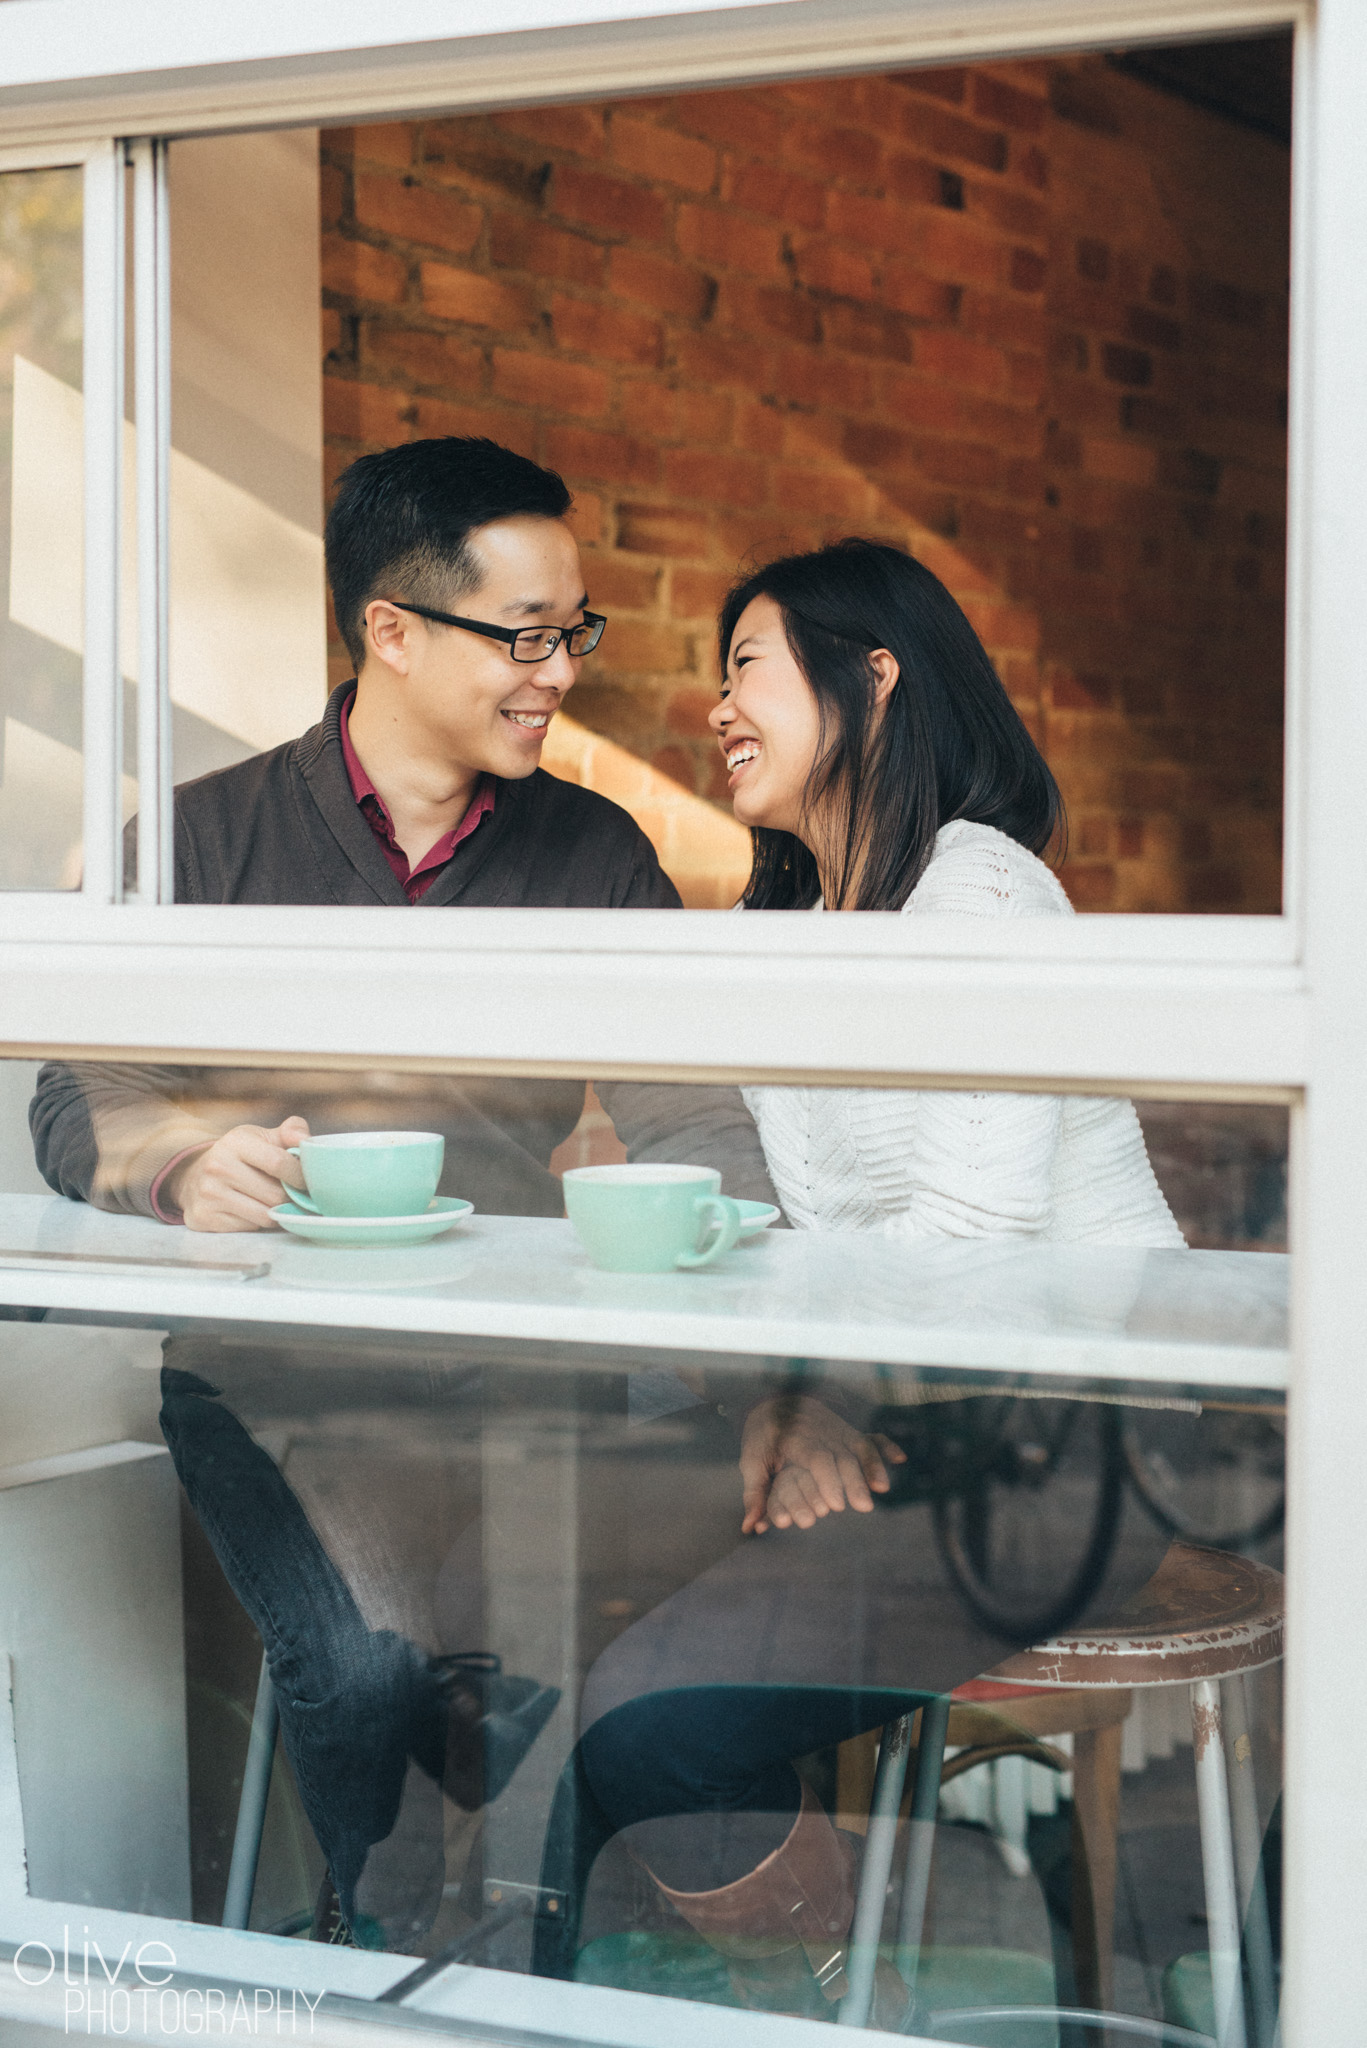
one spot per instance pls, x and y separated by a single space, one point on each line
783 1926
329 1924
491 1723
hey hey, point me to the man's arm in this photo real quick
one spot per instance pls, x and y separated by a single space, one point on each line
673 1123
688 1124
106 1134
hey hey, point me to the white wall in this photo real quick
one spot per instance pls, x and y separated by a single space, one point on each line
248 635
248 655
90 1629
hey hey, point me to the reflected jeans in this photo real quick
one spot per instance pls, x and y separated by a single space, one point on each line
702 1779
356 1703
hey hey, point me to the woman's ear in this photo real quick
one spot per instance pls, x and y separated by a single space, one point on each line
886 672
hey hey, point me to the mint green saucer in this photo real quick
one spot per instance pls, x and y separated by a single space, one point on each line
438 1216
756 1216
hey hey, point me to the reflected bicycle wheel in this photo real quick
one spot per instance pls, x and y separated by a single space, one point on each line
1217 1479
1028 1530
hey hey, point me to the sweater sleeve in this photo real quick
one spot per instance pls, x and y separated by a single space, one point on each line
687 1124
105 1134
675 1123
978 1164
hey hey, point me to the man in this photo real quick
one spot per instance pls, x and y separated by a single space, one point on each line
419 787
458 588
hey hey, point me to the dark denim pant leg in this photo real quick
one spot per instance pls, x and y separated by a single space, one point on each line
703 1777
355 1702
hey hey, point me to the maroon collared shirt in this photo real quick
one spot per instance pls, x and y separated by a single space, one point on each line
415 882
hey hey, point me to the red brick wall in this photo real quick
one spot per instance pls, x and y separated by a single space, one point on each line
1027 319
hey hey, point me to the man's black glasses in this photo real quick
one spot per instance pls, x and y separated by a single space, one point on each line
525 643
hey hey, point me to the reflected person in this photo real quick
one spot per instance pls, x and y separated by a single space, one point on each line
881 766
459 590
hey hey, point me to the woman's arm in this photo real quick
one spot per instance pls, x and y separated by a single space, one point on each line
961 1164
973 1164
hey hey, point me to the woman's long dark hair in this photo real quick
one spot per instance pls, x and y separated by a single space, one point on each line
950 743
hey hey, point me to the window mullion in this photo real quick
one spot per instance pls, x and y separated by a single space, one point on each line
102 704
152 390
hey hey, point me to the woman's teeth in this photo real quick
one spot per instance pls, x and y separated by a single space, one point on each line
738 756
533 720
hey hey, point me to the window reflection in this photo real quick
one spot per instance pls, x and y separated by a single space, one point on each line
611 1614
40 528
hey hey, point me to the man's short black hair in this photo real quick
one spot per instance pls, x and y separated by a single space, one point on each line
401 522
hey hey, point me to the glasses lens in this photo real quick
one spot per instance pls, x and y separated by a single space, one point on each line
583 639
536 643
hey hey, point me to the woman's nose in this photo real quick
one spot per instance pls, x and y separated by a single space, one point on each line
717 717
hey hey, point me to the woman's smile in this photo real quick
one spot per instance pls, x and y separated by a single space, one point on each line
770 762
740 750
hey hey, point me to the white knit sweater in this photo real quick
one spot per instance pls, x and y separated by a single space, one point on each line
921 1163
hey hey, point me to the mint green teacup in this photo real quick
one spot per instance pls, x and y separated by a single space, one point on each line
650 1219
369 1173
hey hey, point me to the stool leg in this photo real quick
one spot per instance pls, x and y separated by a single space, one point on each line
1096 1816
925 1803
1217 1862
875 1871
251 1808
1248 1860
1010 1813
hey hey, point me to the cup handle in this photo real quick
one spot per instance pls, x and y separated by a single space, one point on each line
721 1212
297 1195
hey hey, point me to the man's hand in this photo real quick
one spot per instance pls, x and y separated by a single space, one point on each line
799 1462
236 1182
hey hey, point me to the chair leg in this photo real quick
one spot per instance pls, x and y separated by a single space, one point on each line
925 1804
1096 1817
1248 1860
251 1809
874 1873
1217 1862
1010 1814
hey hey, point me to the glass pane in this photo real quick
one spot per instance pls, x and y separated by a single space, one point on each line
587 1581
1027 320
41 493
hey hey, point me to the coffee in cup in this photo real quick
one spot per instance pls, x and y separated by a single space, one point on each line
369 1173
650 1219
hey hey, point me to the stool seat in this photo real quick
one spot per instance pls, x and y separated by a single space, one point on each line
1205 1614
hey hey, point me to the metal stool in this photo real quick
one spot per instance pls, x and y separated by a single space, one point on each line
251 1805
1204 1620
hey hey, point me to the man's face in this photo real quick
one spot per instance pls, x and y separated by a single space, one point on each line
476 706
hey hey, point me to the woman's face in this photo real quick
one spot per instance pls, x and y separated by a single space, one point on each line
767 723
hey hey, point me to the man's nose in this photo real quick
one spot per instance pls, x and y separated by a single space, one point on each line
557 672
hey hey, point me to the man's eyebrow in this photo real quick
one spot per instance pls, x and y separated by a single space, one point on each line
536 607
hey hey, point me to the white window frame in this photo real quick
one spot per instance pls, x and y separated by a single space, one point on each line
1261 1008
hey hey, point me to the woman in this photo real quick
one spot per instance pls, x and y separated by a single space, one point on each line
880 766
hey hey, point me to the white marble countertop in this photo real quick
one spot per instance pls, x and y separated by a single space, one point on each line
1213 1319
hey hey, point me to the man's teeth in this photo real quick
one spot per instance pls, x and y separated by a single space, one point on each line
738 756
533 720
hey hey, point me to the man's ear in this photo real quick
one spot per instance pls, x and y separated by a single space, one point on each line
886 672
390 635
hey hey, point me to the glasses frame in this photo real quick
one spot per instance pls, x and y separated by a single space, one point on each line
512 634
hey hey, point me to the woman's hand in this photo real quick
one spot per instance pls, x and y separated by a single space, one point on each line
799 1462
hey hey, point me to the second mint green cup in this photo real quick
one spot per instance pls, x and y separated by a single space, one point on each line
369 1173
650 1219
